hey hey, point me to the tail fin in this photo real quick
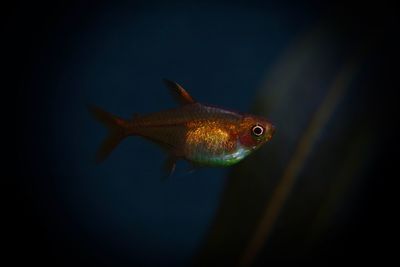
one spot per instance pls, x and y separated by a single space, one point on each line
116 132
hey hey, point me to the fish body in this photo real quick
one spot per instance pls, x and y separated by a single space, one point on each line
201 134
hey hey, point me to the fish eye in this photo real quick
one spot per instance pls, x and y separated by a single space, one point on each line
257 130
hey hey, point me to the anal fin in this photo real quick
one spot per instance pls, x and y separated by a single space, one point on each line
169 166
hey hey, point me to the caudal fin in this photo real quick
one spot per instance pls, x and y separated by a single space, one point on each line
116 131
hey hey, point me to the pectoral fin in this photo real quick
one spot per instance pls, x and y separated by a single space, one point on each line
180 94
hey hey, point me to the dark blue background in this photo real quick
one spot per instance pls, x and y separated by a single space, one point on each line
115 55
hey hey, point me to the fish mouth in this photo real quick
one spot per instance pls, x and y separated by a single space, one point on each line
271 132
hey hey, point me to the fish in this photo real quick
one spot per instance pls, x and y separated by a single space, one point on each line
203 135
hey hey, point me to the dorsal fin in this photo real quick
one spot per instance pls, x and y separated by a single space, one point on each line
179 93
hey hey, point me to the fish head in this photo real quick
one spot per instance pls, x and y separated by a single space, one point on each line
254 131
